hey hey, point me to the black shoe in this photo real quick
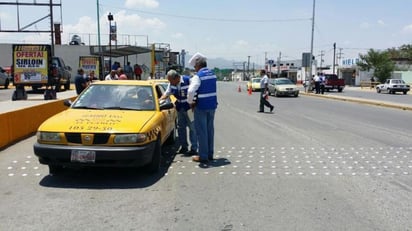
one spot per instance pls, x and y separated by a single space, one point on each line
182 150
210 159
271 108
260 111
191 153
198 159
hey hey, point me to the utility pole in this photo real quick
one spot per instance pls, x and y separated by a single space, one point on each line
244 63
339 56
311 44
321 59
248 62
334 54
51 28
280 54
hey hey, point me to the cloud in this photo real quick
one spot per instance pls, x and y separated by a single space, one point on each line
381 22
141 3
364 25
241 43
177 35
407 29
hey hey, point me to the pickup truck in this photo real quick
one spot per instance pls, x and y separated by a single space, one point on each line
61 74
333 82
392 86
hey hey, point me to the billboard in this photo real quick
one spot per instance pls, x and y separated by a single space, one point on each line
90 63
31 63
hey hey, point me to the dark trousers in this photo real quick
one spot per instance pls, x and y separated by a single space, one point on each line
263 102
317 87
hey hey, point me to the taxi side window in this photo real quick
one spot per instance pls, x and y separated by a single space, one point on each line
159 92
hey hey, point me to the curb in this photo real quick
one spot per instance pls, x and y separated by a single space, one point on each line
361 101
21 123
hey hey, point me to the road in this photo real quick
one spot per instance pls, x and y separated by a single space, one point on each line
314 164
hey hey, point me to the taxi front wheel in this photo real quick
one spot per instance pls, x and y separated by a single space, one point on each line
154 166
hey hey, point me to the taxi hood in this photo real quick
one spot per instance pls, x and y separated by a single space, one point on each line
99 121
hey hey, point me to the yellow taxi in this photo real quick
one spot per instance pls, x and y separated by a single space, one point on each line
254 84
119 123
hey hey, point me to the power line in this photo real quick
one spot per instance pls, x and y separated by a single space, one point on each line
211 19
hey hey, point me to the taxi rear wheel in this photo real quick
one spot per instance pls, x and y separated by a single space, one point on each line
154 166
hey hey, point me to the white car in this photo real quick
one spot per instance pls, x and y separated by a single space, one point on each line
4 78
392 86
283 86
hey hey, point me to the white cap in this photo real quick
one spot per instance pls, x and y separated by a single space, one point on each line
192 61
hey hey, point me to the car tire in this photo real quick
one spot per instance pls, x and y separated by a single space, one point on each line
172 137
277 94
67 85
58 87
6 84
378 90
55 169
154 166
404 92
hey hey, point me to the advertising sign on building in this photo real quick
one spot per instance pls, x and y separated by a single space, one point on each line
89 64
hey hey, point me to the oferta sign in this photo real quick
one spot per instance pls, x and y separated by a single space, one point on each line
31 63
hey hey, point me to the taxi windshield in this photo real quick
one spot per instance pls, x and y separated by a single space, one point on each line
116 97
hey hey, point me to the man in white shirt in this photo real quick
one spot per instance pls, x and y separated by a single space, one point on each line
204 86
264 92
111 76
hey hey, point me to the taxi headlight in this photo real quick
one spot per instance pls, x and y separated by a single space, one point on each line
49 136
129 138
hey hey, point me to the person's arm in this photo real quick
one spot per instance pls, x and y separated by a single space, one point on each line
193 86
167 93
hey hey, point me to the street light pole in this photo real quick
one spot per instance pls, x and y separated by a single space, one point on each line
311 43
110 18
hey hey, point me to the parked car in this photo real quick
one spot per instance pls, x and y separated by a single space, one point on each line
4 78
283 86
111 123
254 83
392 86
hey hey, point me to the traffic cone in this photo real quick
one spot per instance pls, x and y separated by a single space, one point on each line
239 89
249 91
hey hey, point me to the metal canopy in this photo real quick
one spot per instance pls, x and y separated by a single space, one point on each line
118 51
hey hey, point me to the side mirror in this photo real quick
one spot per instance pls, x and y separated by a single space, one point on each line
166 104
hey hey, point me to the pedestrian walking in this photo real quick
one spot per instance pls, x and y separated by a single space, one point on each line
264 92
203 86
178 86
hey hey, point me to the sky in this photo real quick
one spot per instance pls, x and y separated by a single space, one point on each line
235 30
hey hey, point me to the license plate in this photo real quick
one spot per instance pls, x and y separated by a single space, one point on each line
83 156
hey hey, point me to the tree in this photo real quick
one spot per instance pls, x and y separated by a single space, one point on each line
379 62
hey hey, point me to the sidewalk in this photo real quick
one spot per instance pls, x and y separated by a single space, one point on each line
33 100
401 106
